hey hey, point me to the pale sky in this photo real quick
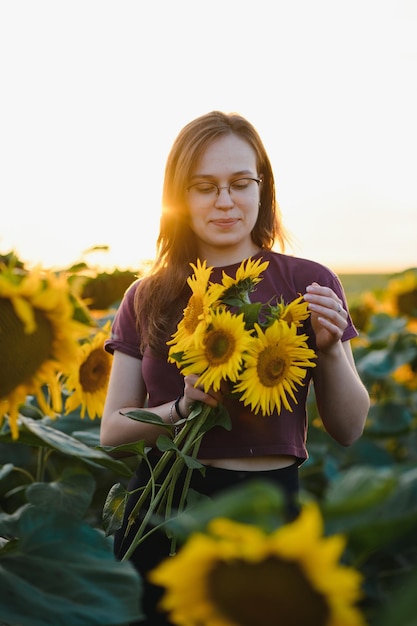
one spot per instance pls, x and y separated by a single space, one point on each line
93 93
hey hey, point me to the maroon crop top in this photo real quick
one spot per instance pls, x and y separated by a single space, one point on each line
251 435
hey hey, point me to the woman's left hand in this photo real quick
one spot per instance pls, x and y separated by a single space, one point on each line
328 317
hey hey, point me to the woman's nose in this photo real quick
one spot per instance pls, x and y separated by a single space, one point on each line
224 199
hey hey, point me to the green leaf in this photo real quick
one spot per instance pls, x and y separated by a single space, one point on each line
5 470
114 508
251 313
257 502
59 570
377 364
35 433
135 447
389 419
71 494
217 417
386 514
141 415
401 609
358 488
384 326
164 443
191 462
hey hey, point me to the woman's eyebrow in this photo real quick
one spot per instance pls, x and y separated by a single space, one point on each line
212 177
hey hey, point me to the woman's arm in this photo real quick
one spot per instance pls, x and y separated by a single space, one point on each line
342 399
127 392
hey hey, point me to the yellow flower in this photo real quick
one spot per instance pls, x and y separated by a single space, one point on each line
275 365
220 355
249 272
247 276
38 340
88 379
406 375
197 313
295 312
237 575
401 295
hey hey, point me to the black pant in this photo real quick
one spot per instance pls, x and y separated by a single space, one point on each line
156 547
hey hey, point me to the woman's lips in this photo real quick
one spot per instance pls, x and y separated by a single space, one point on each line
224 223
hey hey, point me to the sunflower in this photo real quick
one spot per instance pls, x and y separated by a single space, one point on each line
88 378
38 340
249 271
247 276
238 575
400 297
275 365
295 312
406 375
220 355
198 310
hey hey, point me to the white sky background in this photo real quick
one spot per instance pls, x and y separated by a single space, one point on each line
93 93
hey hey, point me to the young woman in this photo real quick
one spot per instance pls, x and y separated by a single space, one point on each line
219 205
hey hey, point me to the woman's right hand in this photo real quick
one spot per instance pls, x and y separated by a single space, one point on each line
197 394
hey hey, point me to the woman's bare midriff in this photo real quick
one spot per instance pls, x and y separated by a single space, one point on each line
254 464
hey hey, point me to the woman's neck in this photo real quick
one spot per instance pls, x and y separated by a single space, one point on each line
221 257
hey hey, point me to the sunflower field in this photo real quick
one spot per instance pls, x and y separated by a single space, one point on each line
349 559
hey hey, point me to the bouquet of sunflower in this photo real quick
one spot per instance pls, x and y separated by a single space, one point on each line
254 349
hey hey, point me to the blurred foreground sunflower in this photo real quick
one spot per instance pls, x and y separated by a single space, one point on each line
38 340
237 575
274 367
88 377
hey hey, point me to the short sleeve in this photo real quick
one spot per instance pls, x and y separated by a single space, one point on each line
335 284
125 336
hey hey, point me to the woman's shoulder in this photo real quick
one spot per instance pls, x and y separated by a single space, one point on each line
299 266
130 292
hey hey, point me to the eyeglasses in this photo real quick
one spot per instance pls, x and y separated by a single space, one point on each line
237 188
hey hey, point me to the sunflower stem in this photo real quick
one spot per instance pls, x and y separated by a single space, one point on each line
186 486
189 435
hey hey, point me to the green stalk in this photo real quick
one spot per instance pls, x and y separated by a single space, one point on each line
190 434
184 493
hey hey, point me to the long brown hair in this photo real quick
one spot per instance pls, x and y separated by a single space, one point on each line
162 295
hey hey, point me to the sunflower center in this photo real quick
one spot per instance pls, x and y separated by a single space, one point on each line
94 372
266 593
193 311
220 346
270 366
407 302
22 354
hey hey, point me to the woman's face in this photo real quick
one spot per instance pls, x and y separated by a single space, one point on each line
223 219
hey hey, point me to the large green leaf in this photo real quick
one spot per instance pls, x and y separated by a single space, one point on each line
373 506
36 433
60 571
357 489
257 502
402 607
384 327
71 493
389 419
377 363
